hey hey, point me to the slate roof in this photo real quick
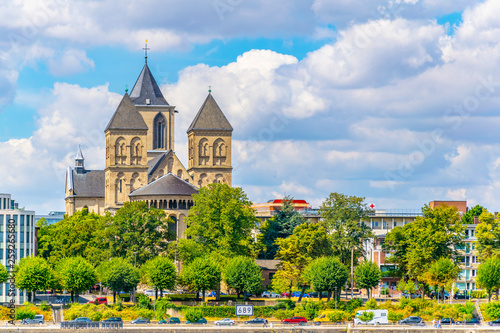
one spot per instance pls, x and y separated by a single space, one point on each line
90 183
210 117
146 88
168 184
154 162
126 116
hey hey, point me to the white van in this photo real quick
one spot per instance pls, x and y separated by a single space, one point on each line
379 317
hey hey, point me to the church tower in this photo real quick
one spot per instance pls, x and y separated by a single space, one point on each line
156 112
126 159
210 145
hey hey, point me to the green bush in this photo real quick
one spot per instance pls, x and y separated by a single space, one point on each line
338 316
366 316
44 306
95 316
371 304
308 310
24 313
144 301
478 294
354 304
192 314
395 316
282 314
491 311
286 304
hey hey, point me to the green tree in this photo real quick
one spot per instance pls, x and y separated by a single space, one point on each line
441 272
308 242
244 275
415 246
488 235
161 273
34 273
137 232
4 274
76 275
488 275
222 220
201 274
326 274
77 235
280 225
118 274
468 218
367 276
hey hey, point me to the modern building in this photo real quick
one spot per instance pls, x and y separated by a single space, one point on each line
141 162
51 218
18 240
266 210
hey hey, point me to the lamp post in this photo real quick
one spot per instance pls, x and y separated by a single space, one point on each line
135 265
336 297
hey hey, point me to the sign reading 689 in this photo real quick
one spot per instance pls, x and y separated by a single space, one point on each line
244 310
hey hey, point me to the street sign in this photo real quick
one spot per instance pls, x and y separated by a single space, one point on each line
244 310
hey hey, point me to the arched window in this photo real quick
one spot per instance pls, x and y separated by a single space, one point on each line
220 151
203 152
159 132
135 151
120 151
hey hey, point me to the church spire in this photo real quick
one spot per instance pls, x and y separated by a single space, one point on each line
145 48
79 161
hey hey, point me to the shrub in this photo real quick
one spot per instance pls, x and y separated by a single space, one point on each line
354 304
395 316
491 310
366 316
282 314
478 294
287 304
309 310
371 304
95 316
24 313
44 306
337 316
192 314
144 301
118 306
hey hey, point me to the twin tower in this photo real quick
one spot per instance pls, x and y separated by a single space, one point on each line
141 163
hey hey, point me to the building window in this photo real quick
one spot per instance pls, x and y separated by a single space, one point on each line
374 224
473 272
159 133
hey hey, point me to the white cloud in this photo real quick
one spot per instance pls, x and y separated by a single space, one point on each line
71 62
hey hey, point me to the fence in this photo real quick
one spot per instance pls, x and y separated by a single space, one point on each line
84 325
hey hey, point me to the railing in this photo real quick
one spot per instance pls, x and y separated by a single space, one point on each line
87 325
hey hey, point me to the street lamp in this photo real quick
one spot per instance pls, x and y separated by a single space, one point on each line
335 297
135 259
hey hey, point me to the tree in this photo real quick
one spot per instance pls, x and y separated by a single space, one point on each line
280 225
117 274
308 242
161 273
488 275
74 236
137 232
415 246
488 235
222 220
201 274
4 274
326 274
76 275
243 275
441 272
367 276
34 273
468 218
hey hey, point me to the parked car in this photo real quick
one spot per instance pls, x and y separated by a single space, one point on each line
294 320
447 321
201 321
494 322
225 321
461 296
412 296
434 294
82 320
149 292
413 320
472 321
269 294
297 294
100 300
213 294
171 320
112 320
315 294
38 319
256 321
141 320
285 294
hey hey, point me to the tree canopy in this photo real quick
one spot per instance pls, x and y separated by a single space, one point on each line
441 273
280 225
417 245
222 220
244 275
118 274
34 273
343 216
367 276
201 274
137 232
76 274
488 235
468 218
160 272
488 275
326 274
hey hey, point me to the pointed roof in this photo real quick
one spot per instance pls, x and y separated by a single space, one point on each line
210 117
146 88
79 155
168 184
126 116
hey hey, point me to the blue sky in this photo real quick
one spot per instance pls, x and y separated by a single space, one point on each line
395 101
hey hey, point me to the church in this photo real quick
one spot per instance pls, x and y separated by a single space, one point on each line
141 162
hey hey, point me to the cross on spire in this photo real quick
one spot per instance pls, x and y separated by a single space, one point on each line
145 48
